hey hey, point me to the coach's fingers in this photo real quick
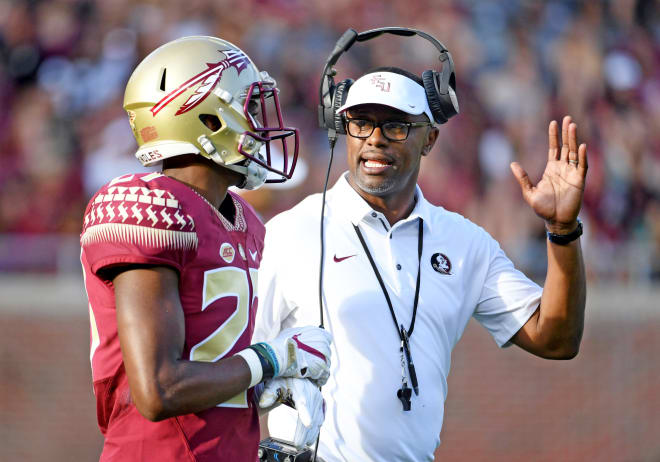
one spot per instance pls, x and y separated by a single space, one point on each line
583 163
553 141
565 130
572 143
522 177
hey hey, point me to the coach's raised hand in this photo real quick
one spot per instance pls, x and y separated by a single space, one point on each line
557 197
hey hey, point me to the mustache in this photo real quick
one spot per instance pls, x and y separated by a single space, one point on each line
374 154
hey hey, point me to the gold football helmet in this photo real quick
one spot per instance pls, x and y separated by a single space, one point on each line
203 95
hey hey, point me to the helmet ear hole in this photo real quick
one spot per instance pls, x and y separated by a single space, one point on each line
212 122
162 79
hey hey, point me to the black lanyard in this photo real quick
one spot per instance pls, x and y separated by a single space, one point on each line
404 393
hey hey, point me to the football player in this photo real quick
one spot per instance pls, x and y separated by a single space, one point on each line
170 263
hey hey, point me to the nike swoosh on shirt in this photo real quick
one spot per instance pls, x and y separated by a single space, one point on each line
253 255
338 259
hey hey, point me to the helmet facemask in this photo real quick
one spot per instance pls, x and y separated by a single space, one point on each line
260 107
264 130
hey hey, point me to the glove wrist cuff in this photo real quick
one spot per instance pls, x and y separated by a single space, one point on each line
254 363
267 358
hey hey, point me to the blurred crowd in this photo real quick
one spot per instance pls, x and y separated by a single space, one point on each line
519 64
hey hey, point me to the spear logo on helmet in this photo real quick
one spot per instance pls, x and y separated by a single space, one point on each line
208 78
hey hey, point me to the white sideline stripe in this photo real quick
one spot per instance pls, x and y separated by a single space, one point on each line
43 295
34 294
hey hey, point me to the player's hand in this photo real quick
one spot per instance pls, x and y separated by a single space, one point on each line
302 395
302 352
557 197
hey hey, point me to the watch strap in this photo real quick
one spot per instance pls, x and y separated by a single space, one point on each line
564 239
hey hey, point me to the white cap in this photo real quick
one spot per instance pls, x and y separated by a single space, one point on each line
389 89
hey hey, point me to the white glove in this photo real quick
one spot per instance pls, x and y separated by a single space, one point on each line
301 352
305 397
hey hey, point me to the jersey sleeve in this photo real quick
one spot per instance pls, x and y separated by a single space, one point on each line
135 222
508 298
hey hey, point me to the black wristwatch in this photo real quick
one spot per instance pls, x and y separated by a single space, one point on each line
563 239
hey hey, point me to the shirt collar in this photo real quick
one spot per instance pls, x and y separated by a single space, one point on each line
356 209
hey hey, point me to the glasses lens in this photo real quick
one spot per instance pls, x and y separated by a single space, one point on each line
396 131
360 128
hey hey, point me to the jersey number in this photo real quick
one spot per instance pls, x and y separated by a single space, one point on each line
220 283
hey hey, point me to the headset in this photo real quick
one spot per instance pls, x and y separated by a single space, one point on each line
440 87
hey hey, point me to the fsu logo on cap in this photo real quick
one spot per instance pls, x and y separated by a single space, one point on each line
227 252
441 263
380 82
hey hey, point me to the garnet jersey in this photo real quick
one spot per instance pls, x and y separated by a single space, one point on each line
154 219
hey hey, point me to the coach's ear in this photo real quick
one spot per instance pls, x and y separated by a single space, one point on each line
431 138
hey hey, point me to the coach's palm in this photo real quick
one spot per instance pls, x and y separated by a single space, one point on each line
557 197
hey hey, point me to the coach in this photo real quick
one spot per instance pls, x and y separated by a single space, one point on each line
403 276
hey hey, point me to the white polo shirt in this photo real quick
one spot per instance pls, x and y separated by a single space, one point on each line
473 277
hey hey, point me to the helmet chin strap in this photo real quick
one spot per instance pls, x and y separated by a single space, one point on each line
254 175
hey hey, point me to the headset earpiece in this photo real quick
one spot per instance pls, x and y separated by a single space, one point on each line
442 101
440 90
338 100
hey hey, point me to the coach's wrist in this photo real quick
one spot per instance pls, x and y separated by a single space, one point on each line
561 228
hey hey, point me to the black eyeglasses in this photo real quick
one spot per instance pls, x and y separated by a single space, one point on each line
392 130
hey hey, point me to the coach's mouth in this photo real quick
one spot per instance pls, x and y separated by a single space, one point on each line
374 164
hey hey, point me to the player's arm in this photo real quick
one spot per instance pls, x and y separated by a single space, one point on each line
151 328
555 329
152 332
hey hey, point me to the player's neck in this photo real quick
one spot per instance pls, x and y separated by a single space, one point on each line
210 181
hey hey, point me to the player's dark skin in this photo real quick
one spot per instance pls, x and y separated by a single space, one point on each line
151 323
554 331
